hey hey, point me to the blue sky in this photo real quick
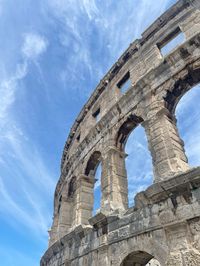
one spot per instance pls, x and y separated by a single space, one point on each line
53 54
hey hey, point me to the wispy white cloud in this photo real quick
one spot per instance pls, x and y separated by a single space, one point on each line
33 220
22 202
8 88
90 8
96 32
34 45
27 204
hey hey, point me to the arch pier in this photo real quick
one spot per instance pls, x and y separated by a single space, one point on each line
163 226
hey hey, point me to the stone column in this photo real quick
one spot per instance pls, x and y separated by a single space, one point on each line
84 199
114 180
65 216
166 146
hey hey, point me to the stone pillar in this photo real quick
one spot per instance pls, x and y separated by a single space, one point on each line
53 232
84 199
182 252
65 216
167 149
114 180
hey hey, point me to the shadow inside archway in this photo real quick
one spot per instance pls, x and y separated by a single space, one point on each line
140 258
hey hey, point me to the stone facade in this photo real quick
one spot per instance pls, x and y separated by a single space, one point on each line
163 227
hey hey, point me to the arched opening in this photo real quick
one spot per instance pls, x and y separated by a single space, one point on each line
138 163
65 206
182 100
140 258
180 87
132 140
93 163
125 130
97 190
72 187
93 170
188 122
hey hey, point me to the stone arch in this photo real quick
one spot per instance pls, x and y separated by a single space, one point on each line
139 258
189 79
127 129
93 163
142 250
64 209
188 124
72 187
131 122
180 88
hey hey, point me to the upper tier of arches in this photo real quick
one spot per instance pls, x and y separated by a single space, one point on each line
141 57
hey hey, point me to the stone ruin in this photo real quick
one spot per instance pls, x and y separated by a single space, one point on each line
163 226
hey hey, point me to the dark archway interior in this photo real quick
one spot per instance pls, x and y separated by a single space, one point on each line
180 87
138 258
125 130
72 187
93 163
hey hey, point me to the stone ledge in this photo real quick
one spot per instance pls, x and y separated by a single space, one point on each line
177 184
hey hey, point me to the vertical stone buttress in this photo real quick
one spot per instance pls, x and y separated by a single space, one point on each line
53 232
182 252
84 199
166 146
114 180
65 216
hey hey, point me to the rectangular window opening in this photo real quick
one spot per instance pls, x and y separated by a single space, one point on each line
59 204
78 137
96 115
173 40
125 83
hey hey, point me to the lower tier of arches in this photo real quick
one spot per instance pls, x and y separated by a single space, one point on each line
162 229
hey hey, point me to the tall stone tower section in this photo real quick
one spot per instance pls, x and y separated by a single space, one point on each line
163 226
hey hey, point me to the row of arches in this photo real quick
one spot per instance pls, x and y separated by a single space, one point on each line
133 141
124 176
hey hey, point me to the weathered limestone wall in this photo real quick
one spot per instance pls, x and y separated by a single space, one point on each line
164 223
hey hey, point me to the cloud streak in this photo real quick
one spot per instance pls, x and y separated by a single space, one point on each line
18 156
34 45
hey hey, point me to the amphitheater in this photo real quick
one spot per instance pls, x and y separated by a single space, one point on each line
163 226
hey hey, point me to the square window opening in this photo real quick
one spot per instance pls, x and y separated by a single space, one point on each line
125 83
96 115
78 137
173 40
